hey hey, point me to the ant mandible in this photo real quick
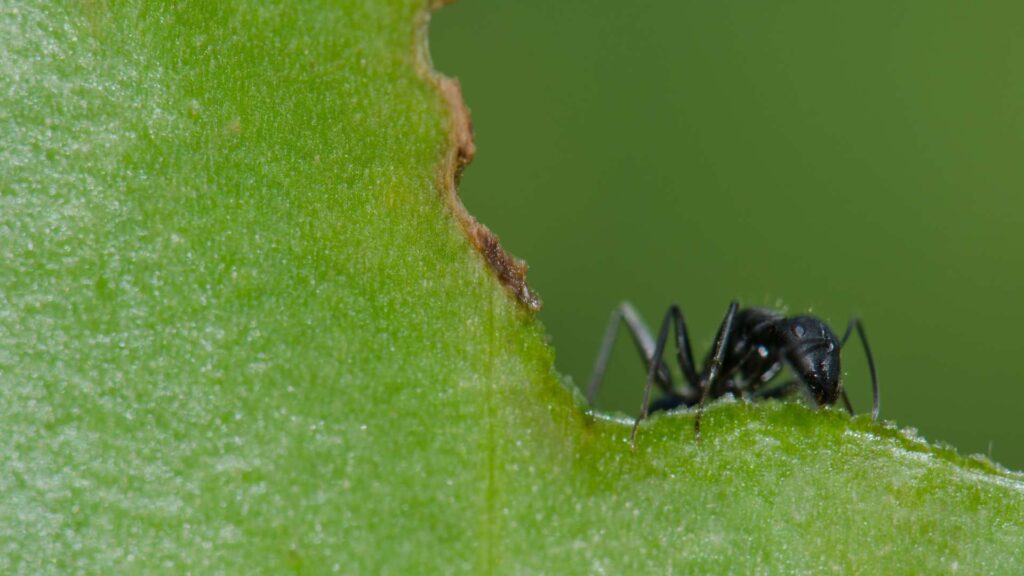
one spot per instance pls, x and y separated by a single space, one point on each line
751 348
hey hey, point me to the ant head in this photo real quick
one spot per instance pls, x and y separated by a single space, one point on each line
812 351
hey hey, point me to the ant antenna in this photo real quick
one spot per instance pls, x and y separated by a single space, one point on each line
856 323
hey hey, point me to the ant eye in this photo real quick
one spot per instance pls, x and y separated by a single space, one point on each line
762 351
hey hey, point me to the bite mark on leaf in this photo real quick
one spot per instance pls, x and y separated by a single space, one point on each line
511 271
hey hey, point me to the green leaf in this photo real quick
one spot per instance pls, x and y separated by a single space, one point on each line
246 326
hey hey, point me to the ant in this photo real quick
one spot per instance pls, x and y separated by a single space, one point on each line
751 348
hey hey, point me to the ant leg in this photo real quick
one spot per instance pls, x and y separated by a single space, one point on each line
780 391
787 388
674 316
846 401
856 323
641 338
711 375
683 352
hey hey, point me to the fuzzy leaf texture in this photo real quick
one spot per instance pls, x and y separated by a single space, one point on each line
243 331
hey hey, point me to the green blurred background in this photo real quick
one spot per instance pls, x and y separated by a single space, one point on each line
843 158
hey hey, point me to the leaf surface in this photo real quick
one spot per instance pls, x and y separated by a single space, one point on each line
245 326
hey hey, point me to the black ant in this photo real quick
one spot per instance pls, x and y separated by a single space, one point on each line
751 348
